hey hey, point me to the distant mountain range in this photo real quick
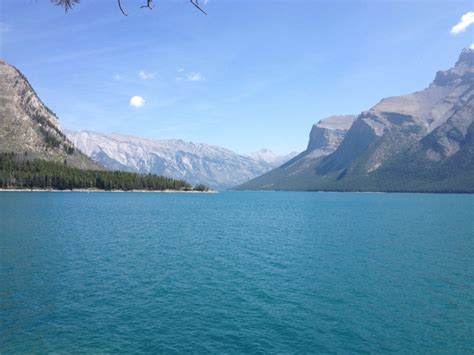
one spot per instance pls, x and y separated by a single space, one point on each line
196 163
418 142
28 127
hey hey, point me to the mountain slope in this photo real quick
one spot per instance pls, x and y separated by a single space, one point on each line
196 163
416 142
267 157
324 139
28 127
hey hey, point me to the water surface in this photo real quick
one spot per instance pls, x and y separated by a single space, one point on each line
236 272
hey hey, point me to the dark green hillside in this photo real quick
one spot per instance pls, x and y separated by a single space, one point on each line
18 172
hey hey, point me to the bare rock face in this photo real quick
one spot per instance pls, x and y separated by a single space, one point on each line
324 139
420 141
327 134
450 136
28 127
461 74
400 122
196 163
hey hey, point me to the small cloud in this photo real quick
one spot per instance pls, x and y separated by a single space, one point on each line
466 20
471 46
195 76
117 77
192 76
142 74
137 101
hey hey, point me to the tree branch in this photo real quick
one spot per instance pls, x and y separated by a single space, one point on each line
121 8
68 4
148 4
196 3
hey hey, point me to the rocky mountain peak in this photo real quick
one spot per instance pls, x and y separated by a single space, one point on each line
266 156
421 141
16 90
462 73
30 128
328 132
466 57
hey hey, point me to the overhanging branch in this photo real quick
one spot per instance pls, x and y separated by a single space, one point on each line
148 4
68 4
196 3
121 8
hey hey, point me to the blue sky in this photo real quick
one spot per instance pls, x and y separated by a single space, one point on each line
251 74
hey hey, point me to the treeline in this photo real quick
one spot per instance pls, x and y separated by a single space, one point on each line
18 172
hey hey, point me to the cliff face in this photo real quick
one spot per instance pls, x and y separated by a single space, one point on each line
397 123
325 137
28 126
432 127
327 134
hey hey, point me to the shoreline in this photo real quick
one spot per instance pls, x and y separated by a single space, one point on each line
368 192
98 190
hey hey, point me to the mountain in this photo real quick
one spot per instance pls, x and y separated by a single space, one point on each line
417 142
196 163
266 156
324 139
31 130
28 127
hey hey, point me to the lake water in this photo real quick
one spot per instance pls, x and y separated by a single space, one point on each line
236 272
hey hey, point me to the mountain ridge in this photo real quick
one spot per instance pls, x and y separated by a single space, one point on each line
429 127
28 127
198 163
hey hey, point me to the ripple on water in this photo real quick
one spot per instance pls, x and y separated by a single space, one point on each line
236 272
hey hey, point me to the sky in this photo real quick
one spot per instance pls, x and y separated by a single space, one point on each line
251 74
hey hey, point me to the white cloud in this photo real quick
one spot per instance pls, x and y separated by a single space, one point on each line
117 77
195 76
471 46
137 101
466 20
142 74
191 76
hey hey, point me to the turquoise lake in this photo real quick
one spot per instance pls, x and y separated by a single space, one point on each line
236 272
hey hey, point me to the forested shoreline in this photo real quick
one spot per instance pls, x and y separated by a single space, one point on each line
17 172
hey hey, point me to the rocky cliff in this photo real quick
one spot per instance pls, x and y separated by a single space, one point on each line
327 134
432 127
325 137
28 127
